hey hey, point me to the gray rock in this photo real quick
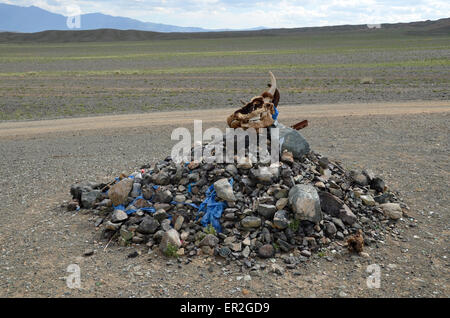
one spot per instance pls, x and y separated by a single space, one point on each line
338 223
330 229
330 204
292 141
209 240
136 190
89 198
280 220
163 196
377 184
251 222
224 252
148 225
165 225
231 169
368 200
264 174
224 190
392 210
160 215
178 223
118 216
246 252
305 253
305 203
179 198
347 215
266 210
148 192
244 163
281 203
266 251
112 226
277 269
170 237
359 178
161 178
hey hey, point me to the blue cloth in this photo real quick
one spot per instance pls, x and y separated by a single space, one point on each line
131 211
275 116
213 209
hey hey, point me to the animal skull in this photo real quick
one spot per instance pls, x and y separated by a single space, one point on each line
258 112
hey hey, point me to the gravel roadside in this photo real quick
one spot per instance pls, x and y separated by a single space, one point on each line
39 239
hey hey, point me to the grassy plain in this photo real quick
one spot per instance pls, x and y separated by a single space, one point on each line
50 80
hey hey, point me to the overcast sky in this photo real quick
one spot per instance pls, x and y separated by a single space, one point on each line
235 14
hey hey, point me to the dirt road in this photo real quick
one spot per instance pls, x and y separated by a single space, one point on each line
299 112
407 144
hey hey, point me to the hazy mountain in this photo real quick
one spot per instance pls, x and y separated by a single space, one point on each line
33 19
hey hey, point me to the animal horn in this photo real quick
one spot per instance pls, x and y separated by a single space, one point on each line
273 84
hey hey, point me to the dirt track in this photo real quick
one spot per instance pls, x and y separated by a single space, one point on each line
29 128
407 144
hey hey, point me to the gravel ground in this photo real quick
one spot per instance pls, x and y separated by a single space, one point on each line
39 239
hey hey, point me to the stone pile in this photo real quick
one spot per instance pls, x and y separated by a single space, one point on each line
298 206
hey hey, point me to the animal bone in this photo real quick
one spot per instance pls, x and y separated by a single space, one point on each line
258 112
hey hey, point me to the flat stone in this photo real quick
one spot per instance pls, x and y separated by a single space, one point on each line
347 215
266 210
118 216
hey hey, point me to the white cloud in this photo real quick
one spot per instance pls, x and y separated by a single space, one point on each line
245 14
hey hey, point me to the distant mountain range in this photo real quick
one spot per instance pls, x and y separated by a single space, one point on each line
33 19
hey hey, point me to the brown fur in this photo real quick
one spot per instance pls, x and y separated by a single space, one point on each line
355 243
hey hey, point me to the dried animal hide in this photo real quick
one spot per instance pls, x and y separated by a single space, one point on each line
258 112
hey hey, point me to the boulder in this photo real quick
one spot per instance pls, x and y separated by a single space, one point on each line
292 141
305 203
224 190
118 193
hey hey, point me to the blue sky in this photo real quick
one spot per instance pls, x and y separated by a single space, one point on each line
235 14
